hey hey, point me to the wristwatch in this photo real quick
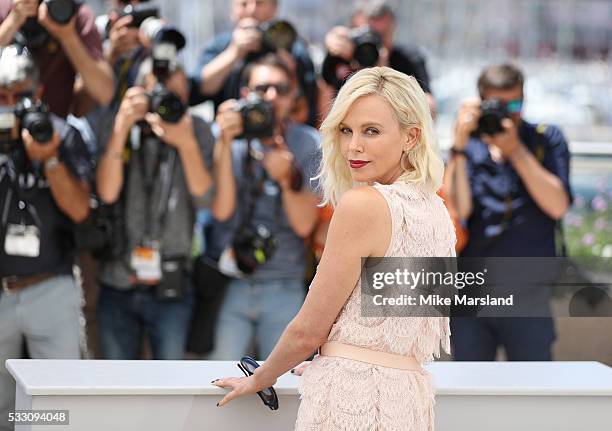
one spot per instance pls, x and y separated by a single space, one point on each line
52 162
456 151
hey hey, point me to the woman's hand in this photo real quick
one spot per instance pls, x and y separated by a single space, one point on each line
241 386
299 370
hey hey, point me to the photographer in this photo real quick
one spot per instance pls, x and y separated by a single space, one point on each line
44 171
217 75
156 168
61 49
126 44
509 179
371 43
274 209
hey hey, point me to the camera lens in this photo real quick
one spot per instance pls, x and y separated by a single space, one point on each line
366 54
61 11
257 117
367 45
167 104
38 124
279 35
493 112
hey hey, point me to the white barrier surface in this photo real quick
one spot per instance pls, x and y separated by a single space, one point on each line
177 395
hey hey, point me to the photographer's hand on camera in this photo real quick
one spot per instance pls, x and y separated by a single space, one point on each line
246 37
96 74
134 106
122 38
506 144
23 9
109 175
229 122
70 194
40 151
339 44
230 126
65 33
300 205
20 11
456 180
179 135
182 137
466 123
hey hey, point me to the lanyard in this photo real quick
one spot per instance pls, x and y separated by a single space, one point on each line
163 167
15 189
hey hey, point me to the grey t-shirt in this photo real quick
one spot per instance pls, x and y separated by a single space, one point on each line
172 198
289 260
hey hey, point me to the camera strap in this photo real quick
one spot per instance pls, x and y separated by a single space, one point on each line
255 188
19 239
163 167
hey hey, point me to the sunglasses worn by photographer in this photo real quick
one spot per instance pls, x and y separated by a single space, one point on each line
248 365
281 89
514 106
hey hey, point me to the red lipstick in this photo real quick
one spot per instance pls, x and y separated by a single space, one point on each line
356 164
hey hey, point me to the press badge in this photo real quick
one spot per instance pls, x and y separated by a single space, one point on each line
146 262
22 240
227 264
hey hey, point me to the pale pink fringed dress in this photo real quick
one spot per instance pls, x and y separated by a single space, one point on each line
343 394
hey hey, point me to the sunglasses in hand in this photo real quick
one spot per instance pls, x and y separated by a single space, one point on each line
248 365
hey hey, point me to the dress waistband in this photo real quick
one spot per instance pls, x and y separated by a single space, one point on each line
361 354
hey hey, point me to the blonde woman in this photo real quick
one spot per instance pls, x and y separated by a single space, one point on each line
381 172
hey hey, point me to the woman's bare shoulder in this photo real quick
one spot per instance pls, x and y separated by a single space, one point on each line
362 201
363 213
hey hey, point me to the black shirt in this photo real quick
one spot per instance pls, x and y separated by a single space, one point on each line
40 210
410 60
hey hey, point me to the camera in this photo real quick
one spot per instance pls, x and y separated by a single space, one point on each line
167 104
253 246
492 112
34 35
103 232
33 116
277 35
167 41
367 44
139 13
257 117
62 11
31 34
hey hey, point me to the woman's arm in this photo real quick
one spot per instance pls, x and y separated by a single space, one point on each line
360 227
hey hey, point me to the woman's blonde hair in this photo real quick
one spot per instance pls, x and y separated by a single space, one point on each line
411 108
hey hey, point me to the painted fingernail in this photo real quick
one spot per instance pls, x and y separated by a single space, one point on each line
293 371
217 404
